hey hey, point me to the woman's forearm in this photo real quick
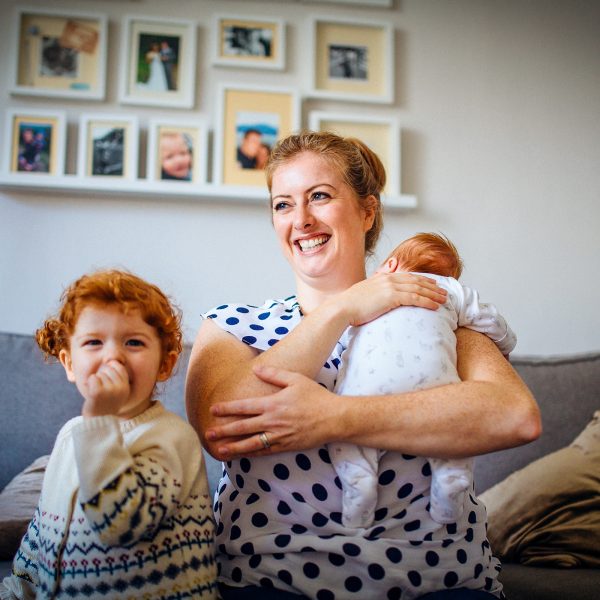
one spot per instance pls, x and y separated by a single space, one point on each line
491 409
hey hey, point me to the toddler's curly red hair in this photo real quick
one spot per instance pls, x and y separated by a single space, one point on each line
112 287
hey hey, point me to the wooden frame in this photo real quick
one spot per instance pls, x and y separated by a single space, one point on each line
35 142
256 116
381 134
252 42
158 62
177 151
59 54
108 146
352 60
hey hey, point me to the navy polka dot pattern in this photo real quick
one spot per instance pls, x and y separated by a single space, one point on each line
279 517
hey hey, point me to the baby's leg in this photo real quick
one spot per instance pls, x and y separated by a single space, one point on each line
450 482
356 467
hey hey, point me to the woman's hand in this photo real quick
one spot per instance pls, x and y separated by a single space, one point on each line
298 416
382 292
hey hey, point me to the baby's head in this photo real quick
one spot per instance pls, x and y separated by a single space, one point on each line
425 253
106 290
175 151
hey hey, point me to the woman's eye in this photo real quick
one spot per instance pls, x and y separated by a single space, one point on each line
319 196
280 206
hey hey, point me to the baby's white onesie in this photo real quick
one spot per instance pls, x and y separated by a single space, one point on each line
406 349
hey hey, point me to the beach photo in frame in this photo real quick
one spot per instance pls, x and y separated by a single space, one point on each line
158 62
108 146
352 60
177 151
59 54
250 122
253 42
35 142
381 134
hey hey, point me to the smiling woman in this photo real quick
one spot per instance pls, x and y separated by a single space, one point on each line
261 399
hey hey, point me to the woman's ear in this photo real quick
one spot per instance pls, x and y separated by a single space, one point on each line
65 360
166 368
370 208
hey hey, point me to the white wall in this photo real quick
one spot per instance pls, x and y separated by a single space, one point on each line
500 108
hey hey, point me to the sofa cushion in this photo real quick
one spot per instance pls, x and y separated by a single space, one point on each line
549 512
18 501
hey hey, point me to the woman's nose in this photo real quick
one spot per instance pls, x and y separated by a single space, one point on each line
303 218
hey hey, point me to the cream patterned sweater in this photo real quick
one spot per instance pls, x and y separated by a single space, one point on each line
124 513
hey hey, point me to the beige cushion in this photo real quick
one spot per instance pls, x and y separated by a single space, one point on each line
549 512
18 501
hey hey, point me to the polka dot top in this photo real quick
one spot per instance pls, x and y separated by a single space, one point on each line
279 518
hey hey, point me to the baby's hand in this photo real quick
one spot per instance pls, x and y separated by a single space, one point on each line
106 390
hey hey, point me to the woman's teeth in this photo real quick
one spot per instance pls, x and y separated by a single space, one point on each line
312 242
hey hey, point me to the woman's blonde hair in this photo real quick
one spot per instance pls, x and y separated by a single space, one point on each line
360 168
112 287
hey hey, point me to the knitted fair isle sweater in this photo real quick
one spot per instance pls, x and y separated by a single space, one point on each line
124 513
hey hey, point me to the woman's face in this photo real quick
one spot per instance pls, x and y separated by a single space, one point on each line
319 222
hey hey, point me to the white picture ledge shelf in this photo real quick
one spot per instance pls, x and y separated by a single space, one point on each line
73 184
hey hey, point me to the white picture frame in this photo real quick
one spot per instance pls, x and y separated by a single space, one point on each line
158 62
58 53
165 159
249 42
34 142
108 146
272 111
381 133
352 60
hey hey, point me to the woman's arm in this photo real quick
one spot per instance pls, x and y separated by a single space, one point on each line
221 367
491 409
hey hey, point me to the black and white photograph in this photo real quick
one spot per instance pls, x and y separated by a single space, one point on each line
251 42
108 146
348 62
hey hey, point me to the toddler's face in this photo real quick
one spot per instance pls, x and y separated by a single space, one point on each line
175 156
104 334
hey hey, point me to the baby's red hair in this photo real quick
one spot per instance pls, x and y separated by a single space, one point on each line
112 287
428 253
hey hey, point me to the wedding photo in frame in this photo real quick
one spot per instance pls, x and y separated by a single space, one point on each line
35 142
249 42
381 134
250 122
158 61
352 60
177 151
59 54
108 146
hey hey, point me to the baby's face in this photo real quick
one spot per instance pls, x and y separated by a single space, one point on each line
175 156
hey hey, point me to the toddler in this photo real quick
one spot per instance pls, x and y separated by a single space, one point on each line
124 510
406 349
175 156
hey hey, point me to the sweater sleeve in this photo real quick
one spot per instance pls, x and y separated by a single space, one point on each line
484 318
126 492
24 579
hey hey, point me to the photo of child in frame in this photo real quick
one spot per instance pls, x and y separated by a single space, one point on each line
34 147
175 154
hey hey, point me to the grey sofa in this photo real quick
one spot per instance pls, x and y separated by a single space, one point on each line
36 399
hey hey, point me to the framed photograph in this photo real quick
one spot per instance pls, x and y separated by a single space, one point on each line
177 150
108 146
35 142
381 134
59 53
352 60
158 62
249 42
249 123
